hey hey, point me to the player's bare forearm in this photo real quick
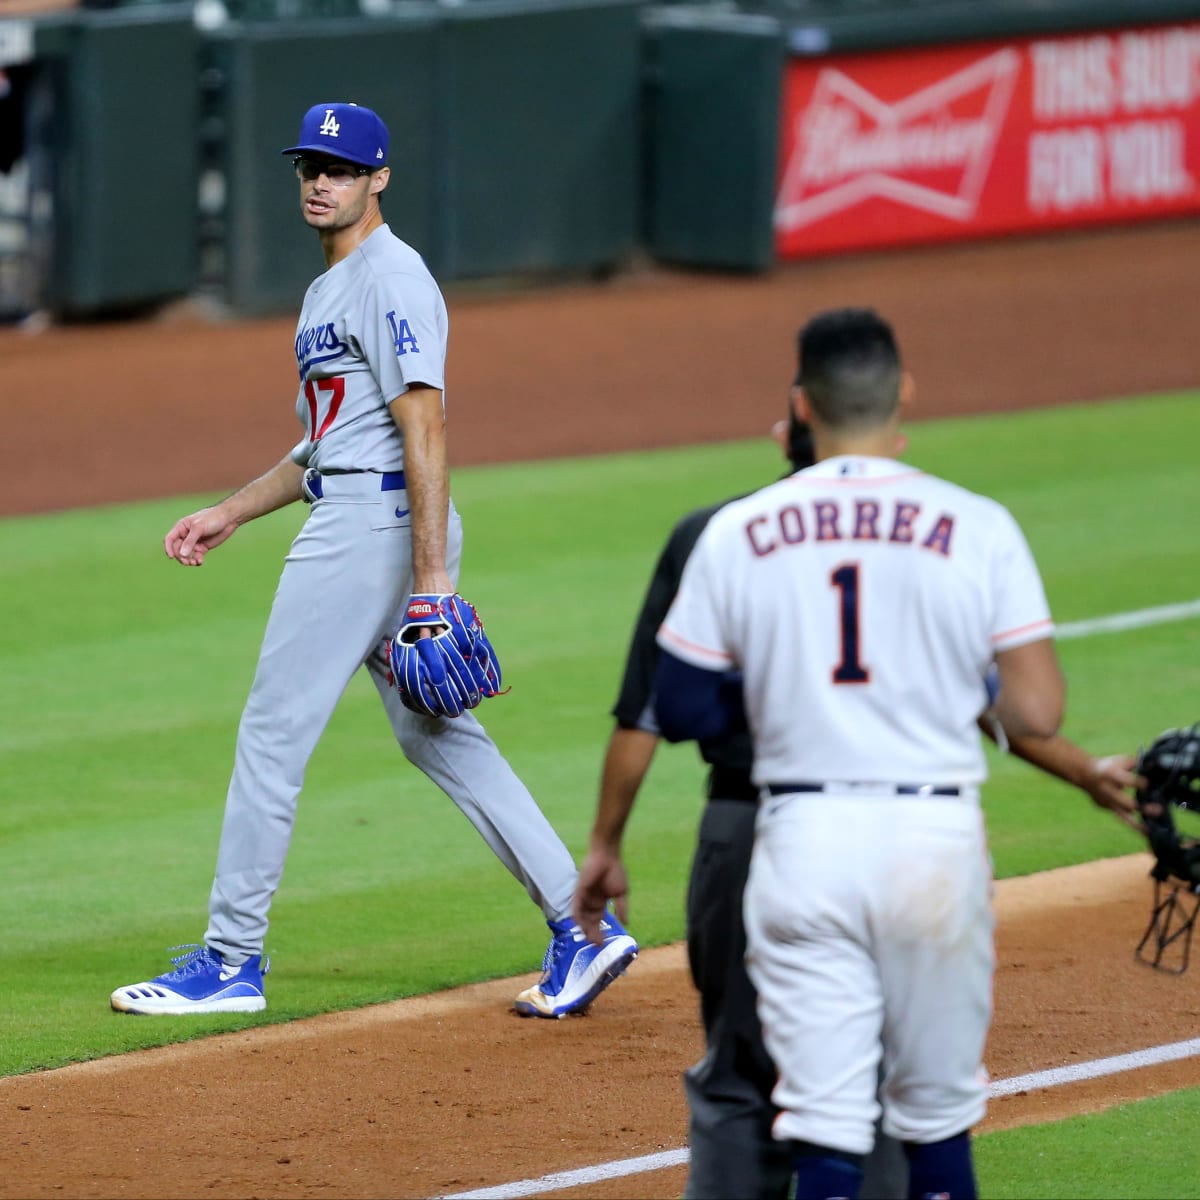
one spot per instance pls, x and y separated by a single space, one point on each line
1110 782
626 761
275 489
419 414
602 877
193 536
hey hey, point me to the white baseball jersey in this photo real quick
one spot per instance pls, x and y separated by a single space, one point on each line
863 601
370 326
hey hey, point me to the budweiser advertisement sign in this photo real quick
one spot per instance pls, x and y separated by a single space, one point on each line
981 139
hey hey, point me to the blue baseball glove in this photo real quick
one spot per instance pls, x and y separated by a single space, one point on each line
454 669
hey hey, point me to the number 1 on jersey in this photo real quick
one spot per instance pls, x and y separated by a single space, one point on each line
336 386
849 670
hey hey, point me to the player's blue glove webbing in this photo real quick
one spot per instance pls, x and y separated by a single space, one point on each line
451 671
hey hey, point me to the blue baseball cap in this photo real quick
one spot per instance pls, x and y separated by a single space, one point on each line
343 131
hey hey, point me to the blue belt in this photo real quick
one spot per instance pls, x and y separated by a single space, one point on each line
900 789
389 481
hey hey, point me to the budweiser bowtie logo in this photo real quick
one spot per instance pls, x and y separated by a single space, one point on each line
930 151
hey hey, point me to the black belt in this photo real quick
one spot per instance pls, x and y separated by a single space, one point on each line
899 789
389 481
728 783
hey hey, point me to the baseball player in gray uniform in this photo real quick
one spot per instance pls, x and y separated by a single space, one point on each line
370 352
863 603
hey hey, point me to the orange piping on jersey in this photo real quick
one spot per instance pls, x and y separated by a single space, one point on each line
702 651
1000 637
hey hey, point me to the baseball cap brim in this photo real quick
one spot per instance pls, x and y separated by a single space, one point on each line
331 155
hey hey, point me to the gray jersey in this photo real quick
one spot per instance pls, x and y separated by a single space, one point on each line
371 326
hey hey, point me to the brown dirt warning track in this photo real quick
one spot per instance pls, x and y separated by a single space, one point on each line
447 1093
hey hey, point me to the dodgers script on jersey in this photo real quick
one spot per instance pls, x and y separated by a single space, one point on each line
370 326
863 601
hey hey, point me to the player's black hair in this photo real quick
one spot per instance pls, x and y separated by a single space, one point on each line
849 367
800 449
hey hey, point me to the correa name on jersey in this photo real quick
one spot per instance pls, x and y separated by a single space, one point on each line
856 519
317 344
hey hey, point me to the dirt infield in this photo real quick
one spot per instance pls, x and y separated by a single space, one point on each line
437 1095
119 412
453 1092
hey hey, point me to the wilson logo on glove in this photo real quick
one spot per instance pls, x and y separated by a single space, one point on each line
450 670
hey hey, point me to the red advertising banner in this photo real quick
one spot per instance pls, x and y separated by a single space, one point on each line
972 140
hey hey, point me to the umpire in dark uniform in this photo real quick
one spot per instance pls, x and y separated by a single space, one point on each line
729 1090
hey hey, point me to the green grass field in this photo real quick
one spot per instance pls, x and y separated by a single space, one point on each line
124 679
1130 1152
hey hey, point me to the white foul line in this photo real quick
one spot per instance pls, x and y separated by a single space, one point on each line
1095 1069
1137 619
1054 1077
561 1180
570 1179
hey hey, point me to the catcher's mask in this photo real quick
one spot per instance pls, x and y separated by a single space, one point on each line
1171 768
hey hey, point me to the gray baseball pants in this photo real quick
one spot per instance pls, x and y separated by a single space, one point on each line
343 590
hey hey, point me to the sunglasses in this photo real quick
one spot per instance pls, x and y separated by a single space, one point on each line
340 174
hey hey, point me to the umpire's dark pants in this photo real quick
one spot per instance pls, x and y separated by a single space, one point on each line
733 1155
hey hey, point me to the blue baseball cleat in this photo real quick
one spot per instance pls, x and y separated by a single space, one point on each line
200 983
574 971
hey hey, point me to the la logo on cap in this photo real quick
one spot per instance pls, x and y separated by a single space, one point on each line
346 131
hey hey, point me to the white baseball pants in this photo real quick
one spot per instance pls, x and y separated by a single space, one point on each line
869 929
